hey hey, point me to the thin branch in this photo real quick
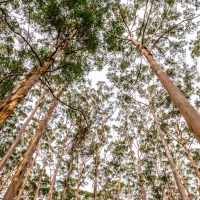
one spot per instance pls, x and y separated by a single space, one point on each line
34 52
64 102
143 18
18 74
115 35
147 21
158 27
155 32
5 1
139 70
123 18
171 29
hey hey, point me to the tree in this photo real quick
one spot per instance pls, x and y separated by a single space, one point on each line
61 32
123 139
148 37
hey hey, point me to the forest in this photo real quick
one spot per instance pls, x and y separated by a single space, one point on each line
67 135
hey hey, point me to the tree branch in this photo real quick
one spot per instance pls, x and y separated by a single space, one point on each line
25 40
171 29
147 22
64 102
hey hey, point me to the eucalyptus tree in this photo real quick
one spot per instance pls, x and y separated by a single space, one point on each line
159 33
67 27
19 134
133 96
20 193
19 174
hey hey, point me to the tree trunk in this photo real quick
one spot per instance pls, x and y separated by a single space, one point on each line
191 161
168 154
143 195
190 115
18 177
79 180
51 190
80 138
40 179
18 137
65 191
119 187
8 104
96 170
28 173
182 177
6 178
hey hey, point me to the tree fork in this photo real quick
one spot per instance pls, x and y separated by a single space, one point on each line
8 104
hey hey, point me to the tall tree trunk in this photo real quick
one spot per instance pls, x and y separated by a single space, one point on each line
183 179
53 181
40 179
167 151
191 160
18 137
8 104
18 177
28 173
190 115
119 186
8 175
79 179
143 195
81 136
69 171
96 170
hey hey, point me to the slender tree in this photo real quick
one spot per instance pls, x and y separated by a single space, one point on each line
18 177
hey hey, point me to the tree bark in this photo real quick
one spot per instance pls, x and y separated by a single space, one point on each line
18 137
96 170
81 136
40 179
143 195
28 173
51 190
8 104
80 173
119 187
190 115
6 178
167 151
18 177
183 179
191 161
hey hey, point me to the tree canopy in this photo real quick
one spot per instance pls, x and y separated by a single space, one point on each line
135 136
